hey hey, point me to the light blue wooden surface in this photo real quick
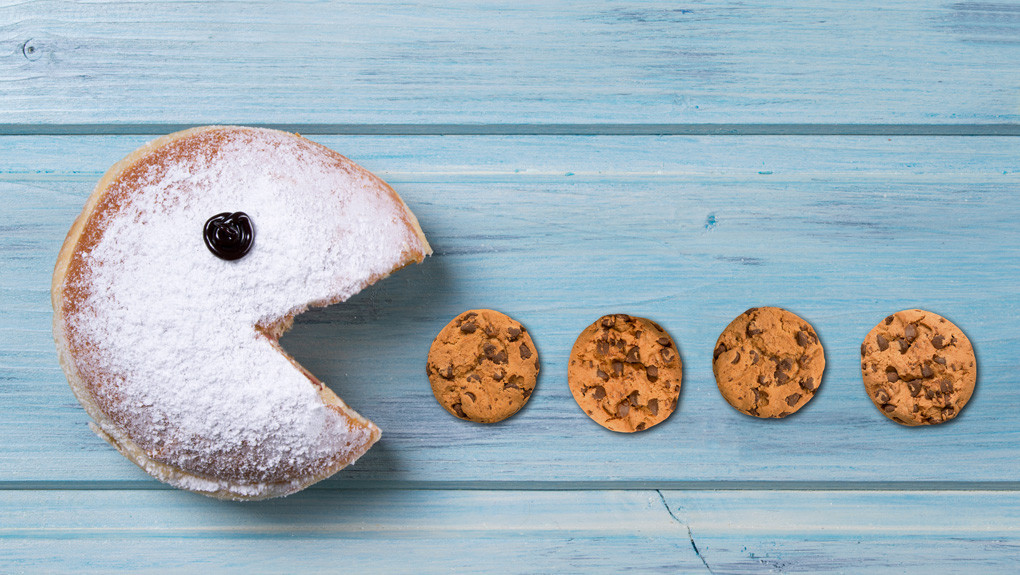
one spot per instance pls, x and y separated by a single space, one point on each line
557 228
508 62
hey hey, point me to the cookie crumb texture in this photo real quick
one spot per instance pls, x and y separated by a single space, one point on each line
918 368
625 373
768 362
483 366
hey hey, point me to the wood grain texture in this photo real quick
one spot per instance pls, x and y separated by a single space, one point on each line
557 231
860 532
421 531
392 531
704 61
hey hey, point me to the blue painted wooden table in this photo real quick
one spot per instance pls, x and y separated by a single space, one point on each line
677 161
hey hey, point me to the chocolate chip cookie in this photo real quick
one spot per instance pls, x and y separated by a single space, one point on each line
625 373
483 366
768 362
918 368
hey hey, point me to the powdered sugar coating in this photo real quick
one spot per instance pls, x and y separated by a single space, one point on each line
180 344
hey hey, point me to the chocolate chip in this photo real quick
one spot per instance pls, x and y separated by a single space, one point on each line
474 378
910 332
946 386
490 330
640 427
666 353
762 380
786 364
754 357
904 345
808 384
459 411
792 399
914 387
736 358
939 360
883 344
947 413
719 350
608 321
602 347
513 333
864 350
622 409
653 373
752 329
499 374
888 320
525 351
634 355
599 393
617 367
653 406
446 373
757 395
938 342
468 327
750 311
633 398
803 339
889 408
664 341
784 414
511 385
926 371
929 393
781 377
804 360
470 395
492 355
602 375
882 396
891 375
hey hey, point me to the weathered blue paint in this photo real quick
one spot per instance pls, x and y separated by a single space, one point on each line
566 160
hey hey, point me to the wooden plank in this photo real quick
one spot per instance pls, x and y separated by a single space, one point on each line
513 531
707 61
852 532
557 231
366 531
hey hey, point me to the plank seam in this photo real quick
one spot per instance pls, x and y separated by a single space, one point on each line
776 129
919 486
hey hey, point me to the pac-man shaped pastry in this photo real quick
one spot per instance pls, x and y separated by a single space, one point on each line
188 262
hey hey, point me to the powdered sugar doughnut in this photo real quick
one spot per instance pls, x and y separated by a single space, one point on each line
172 349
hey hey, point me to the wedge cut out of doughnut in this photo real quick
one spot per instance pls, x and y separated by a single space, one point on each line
173 351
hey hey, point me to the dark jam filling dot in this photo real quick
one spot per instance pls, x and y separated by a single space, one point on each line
229 235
